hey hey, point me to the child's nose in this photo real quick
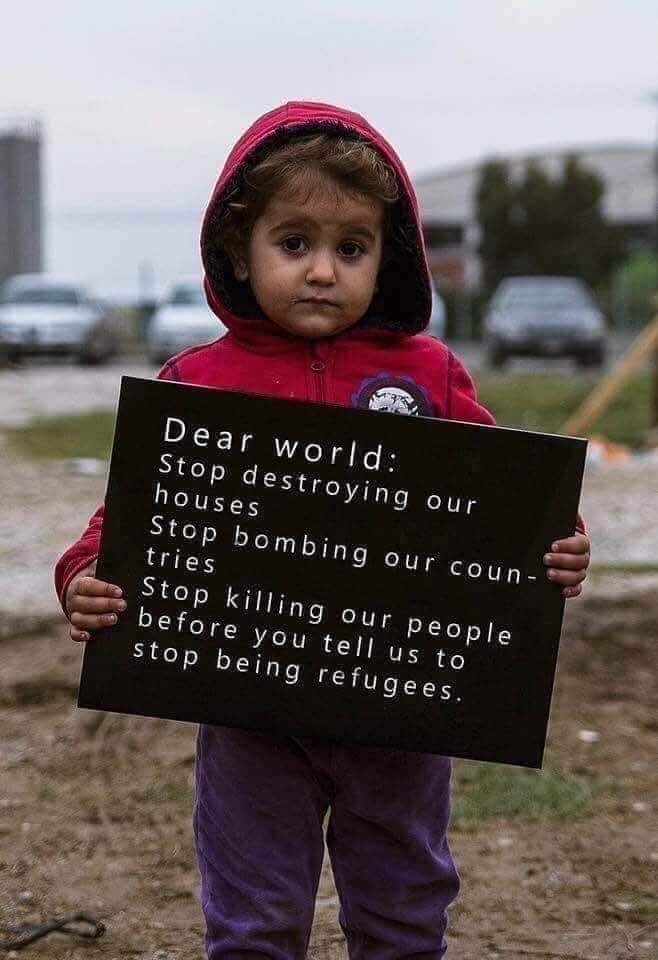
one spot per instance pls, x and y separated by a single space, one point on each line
321 268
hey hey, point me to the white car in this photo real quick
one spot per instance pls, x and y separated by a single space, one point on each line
182 321
437 325
43 315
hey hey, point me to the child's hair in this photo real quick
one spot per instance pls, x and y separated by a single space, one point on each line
292 170
289 163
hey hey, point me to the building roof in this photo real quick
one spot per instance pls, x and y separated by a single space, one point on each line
20 127
447 197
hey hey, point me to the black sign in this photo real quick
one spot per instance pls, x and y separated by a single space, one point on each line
336 573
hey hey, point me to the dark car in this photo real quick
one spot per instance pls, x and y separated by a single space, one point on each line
544 317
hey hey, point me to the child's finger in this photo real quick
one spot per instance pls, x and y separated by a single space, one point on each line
567 561
566 578
85 604
576 544
92 621
572 591
91 587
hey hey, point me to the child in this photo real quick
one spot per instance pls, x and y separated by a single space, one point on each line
314 260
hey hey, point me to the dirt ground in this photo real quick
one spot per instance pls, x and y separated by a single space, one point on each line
95 809
95 814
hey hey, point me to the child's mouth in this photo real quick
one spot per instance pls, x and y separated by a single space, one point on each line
318 302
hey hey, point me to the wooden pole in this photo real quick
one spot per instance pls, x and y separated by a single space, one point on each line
605 391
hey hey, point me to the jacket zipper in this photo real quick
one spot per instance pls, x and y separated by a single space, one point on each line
318 365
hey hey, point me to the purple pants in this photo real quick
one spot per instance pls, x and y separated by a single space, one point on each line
260 804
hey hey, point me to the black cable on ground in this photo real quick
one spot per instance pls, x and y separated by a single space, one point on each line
71 926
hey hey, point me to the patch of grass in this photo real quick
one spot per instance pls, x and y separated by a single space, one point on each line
530 401
485 791
66 437
628 569
646 910
36 692
544 401
47 793
179 794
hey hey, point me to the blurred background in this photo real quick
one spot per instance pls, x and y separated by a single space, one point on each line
531 134
114 127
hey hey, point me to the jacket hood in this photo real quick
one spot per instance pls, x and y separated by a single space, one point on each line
403 302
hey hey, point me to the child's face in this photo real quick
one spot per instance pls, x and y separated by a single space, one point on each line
313 262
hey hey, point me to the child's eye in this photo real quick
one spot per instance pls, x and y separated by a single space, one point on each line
350 249
294 244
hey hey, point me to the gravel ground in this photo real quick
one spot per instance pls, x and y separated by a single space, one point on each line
41 389
44 506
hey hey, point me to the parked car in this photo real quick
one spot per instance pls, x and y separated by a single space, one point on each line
544 316
182 320
437 324
44 315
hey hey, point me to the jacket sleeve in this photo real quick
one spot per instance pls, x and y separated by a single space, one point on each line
461 399
78 555
81 553
462 404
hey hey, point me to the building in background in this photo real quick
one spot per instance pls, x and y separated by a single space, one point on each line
447 204
21 242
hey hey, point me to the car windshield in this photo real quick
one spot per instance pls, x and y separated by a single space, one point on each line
67 296
544 295
189 296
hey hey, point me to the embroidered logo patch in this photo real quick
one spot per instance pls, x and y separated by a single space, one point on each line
393 395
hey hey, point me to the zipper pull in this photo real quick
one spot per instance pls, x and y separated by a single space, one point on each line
319 352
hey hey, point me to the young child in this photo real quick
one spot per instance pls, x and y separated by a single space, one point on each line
314 260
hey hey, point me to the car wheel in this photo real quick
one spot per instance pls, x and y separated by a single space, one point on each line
96 353
92 359
591 358
159 359
496 358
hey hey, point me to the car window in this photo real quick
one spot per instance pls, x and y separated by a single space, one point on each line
67 296
188 296
549 295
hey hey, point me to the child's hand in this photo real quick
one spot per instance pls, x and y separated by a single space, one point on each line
92 603
568 562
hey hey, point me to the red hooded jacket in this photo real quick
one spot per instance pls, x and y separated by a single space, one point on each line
382 363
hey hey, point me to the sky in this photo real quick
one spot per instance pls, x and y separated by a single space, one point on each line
140 102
